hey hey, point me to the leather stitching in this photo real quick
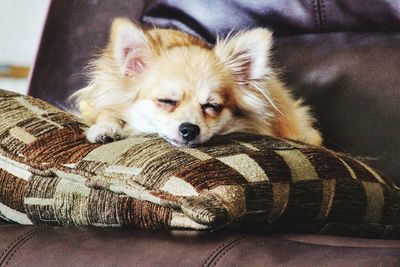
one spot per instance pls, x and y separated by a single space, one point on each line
318 5
216 254
227 249
323 14
14 246
315 14
14 242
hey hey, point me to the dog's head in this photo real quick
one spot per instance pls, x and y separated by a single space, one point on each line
187 91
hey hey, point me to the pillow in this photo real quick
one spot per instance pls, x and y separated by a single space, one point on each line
50 174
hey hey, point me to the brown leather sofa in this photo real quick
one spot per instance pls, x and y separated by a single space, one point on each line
341 56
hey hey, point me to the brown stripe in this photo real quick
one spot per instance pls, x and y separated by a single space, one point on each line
325 164
350 202
259 197
60 147
274 166
42 188
142 215
158 170
209 174
305 200
360 171
12 190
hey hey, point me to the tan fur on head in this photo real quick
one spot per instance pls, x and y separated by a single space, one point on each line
173 84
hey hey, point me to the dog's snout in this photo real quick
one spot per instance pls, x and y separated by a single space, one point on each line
189 131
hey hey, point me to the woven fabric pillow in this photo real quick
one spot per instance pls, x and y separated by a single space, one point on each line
50 174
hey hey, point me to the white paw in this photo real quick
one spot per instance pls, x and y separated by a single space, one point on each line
105 133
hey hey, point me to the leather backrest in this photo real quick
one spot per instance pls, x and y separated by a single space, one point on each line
75 31
284 17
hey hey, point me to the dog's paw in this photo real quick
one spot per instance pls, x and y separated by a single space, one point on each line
105 133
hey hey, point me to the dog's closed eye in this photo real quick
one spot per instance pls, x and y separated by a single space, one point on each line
167 102
212 108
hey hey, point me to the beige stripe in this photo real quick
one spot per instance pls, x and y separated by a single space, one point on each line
248 145
294 144
22 135
66 186
70 176
123 169
178 187
14 215
39 201
301 168
232 197
70 165
102 225
136 192
375 202
329 188
15 168
280 195
37 111
374 173
196 153
246 166
179 220
351 171
111 151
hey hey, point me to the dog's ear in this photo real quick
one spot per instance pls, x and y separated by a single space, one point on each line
131 47
246 53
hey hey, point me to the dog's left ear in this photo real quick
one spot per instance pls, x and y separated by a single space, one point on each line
246 53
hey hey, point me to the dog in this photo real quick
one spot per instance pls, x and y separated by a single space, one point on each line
168 82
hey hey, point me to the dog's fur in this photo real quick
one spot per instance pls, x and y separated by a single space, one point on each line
153 81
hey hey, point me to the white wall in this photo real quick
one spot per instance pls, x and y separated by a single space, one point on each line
21 23
20 28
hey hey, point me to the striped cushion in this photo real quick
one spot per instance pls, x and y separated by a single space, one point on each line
50 174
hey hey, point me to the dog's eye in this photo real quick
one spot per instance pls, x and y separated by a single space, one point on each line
167 102
212 107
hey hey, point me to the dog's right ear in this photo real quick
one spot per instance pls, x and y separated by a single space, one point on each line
130 46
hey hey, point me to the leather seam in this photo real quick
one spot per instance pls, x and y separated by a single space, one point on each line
216 254
220 247
17 244
15 241
227 249
319 14
323 14
315 14
332 245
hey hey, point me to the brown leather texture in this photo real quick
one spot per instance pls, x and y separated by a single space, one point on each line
285 17
51 246
352 82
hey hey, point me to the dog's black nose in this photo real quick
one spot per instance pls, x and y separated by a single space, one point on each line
189 131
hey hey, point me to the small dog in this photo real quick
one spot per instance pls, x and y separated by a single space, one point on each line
167 82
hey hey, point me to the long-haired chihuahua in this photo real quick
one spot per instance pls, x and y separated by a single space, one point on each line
168 82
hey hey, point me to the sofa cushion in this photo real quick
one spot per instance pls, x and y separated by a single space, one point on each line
50 173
